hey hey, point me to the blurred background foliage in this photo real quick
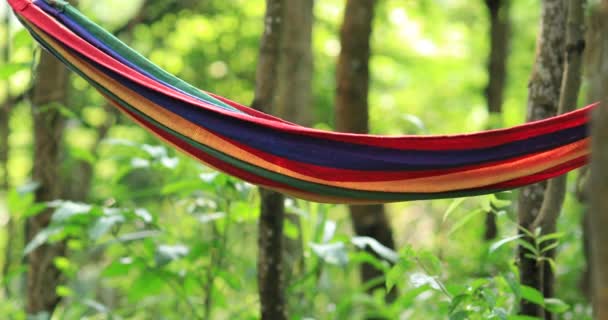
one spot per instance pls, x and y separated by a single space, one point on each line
163 237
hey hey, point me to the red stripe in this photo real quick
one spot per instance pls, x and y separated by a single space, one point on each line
441 142
346 175
252 178
542 176
225 167
248 110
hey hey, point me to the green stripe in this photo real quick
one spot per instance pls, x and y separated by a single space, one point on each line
306 186
134 57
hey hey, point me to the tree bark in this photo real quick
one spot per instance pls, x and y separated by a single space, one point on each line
5 112
571 83
293 101
51 87
543 100
596 61
499 43
352 78
272 211
599 208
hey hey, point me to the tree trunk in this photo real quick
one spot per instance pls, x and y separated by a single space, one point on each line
499 43
270 229
596 62
599 208
543 99
556 188
293 101
352 116
5 111
50 88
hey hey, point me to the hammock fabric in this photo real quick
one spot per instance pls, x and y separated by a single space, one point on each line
305 163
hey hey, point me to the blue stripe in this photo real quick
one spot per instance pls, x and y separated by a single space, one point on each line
336 154
87 36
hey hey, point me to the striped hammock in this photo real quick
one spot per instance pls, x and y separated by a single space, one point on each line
302 162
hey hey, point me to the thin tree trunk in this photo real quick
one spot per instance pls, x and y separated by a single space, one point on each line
556 188
499 43
352 116
293 101
272 211
543 100
51 87
596 64
5 112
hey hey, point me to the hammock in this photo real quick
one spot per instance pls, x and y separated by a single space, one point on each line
302 162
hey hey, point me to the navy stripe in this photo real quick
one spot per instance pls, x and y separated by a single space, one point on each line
345 155
336 154
86 35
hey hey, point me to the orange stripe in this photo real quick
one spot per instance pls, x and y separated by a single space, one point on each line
474 178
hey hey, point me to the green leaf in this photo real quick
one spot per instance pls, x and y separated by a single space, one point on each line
415 121
97 306
211 217
521 317
394 276
456 301
209 177
21 38
39 316
407 298
230 278
166 254
513 284
430 263
169 163
119 268
10 69
29 187
104 224
549 247
526 232
464 220
332 253
141 235
419 279
455 204
144 215
532 295
290 230
64 291
83 155
504 241
498 202
381 250
65 210
148 284
156 152
182 187
551 236
41 238
460 315
529 246
555 305
329 231
34 210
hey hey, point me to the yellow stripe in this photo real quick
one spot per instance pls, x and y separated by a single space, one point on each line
475 178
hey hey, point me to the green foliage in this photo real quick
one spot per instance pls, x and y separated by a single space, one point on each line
162 237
